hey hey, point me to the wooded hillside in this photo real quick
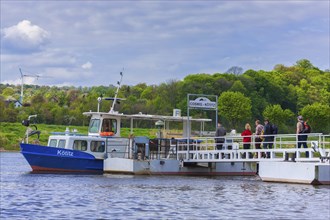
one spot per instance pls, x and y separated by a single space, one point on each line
280 95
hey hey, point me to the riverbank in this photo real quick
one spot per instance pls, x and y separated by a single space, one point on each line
12 134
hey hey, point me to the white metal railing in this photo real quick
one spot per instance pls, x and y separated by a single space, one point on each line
203 149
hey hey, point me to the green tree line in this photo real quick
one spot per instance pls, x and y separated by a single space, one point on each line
279 95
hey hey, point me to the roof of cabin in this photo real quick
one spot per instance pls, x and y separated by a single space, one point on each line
146 116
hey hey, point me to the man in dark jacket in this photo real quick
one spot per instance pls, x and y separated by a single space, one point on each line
219 140
268 137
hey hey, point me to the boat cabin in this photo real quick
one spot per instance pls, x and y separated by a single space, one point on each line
104 125
93 145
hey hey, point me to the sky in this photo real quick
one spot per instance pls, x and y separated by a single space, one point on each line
88 43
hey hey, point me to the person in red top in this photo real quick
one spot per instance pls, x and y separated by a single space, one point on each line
247 138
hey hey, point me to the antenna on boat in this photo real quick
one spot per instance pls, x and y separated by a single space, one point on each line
116 94
99 100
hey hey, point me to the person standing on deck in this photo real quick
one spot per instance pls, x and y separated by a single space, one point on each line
301 137
268 137
219 139
247 139
258 139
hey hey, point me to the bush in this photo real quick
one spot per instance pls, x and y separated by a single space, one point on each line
3 141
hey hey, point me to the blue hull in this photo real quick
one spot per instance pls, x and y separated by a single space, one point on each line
51 159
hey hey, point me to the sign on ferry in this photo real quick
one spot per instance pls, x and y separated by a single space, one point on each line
202 102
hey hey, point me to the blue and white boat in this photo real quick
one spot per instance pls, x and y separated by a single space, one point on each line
103 149
66 153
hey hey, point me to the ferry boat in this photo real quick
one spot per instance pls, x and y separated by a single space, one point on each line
105 150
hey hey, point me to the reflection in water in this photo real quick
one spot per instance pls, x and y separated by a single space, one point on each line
56 196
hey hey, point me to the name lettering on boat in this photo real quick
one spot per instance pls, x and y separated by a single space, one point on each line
64 153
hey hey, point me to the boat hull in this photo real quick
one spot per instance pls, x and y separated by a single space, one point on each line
176 167
51 159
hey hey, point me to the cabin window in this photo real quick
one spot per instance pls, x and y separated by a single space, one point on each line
61 144
109 126
97 146
80 145
53 143
94 126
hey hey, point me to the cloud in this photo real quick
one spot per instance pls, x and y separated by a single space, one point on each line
24 37
160 39
87 65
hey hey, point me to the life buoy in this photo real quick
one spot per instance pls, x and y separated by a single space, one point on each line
107 133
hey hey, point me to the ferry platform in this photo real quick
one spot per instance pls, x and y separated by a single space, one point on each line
199 156
283 163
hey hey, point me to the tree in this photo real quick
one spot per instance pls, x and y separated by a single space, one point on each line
280 117
236 70
148 93
238 87
198 84
305 64
234 107
9 91
10 113
2 109
318 116
302 95
259 103
138 89
72 95
221 83
268 86
324 96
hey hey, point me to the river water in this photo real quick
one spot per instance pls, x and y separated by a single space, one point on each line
70 196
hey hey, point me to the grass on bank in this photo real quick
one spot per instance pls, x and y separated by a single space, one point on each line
12 134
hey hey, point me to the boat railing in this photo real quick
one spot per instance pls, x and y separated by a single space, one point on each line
284 146
279 141
163 148
205 148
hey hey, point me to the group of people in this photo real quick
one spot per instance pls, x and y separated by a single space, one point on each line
264 134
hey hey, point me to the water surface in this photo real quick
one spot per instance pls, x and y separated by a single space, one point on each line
70 196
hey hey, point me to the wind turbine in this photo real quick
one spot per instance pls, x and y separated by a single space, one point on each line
22 85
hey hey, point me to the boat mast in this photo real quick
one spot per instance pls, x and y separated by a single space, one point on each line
116 94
